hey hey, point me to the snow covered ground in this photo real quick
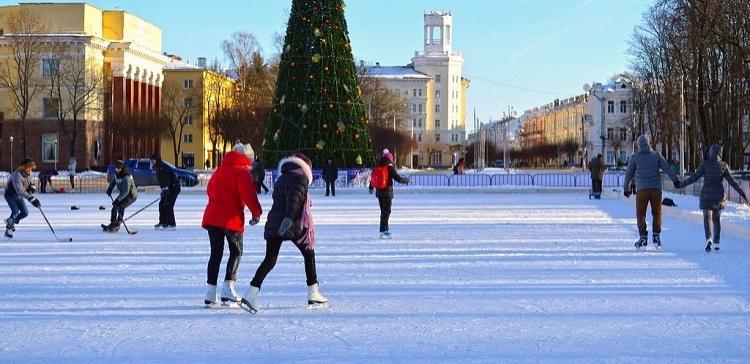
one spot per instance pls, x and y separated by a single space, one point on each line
469 277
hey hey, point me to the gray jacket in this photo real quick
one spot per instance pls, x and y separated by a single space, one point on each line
18 185
644 166
714 171
125 185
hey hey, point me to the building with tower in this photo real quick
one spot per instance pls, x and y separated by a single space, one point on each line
436 89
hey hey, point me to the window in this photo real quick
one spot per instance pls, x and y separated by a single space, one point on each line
437 78
419 92
187 120
610 133
437 138
437 123
437 108
188 159
414 108
623 107
419 137
50 67
611 107
49 107
420 108
623 156
187 138
414 92
437 94
610 157
188 102
49 147
623 134
187 83
414 123
437 158
420 123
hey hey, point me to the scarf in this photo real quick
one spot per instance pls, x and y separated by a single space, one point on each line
307 239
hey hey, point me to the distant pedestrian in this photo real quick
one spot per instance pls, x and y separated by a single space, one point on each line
18 189
170 189
460 166
381 181
45 179
644 170
713 195
330 175
72 163
259 176
291 219
230 190
597 168
126 197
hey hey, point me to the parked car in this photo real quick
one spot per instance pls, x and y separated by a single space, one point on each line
499 163
144 175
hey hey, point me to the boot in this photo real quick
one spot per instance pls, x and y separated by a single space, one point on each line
716 246
314 296
229 293
210 299
250 301
709 245
657 241
642 242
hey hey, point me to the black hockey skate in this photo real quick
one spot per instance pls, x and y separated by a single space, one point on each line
709 245
8 234
657 241
642 242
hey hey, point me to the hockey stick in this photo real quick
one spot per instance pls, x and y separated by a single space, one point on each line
53 230
143 208
123 222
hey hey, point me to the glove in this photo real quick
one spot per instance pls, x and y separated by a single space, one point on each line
371 190
164 191
35 202
115 202
109 192
408 180
254 221
677 184
31 189
627 193
285 226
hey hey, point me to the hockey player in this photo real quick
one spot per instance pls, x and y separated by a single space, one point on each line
127 195
170 188
230 189
713 199
381 181
18 189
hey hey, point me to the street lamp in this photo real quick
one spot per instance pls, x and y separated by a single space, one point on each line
54 145
11 153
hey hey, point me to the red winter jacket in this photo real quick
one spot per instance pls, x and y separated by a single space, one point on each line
230 189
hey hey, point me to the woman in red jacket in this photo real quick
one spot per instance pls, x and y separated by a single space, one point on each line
230 189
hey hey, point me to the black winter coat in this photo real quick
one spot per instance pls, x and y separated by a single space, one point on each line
714 171
289 197
167 178
392 175
330 172
259 172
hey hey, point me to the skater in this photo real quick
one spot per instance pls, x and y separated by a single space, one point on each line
18 188
459 167
170 188
643 169
713 199
597 168
45 179
330 174
230 189
72 173
290 218
127 195
259 176
381 180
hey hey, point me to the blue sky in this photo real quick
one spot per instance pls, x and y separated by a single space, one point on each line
519 53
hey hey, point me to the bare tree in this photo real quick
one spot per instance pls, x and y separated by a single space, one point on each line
19 73
218 97
382 105
178 106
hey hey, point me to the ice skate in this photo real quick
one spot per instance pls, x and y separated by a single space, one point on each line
229 296
642 242
210 300
169 227
159 226
657 242
709 245
250 302
385 235
716 246
8 234
315 299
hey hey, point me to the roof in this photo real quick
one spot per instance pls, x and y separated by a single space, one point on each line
396 72
175 65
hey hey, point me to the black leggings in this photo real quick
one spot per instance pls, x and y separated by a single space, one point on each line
385 211
272 253
234 240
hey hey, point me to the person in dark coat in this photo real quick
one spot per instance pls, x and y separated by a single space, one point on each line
597 168
45 179
644 171
460 166
713 195
259 176
230 189
291 219
127 195
18 190
170 188
330 174
385 195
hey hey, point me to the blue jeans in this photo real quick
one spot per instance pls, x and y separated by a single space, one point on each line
18 209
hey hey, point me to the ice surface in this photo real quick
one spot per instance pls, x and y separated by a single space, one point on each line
468 277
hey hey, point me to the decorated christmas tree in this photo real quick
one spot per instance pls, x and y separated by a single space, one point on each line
316 107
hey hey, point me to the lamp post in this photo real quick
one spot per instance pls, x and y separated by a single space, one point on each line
11 153
54 145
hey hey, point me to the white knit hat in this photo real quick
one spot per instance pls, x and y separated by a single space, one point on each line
245 149
386 151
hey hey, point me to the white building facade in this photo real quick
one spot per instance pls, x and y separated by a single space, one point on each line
610 115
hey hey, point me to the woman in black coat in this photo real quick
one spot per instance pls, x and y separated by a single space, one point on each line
290 218
330 174
385 195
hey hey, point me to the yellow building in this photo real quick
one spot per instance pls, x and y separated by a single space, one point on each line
194 94
558 123
123 64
